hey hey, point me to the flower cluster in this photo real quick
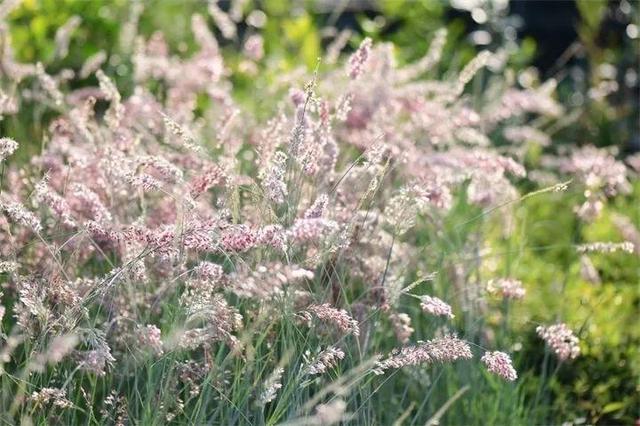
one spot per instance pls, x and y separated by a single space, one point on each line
435 306
7 147
606 247
499 363
444 349
271 386
561 340
56 397
149 338
325 360
507 288
602 176
173 204
339 318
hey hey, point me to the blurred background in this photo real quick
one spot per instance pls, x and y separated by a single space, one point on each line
591 48
586 45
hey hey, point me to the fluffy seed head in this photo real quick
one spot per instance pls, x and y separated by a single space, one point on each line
507 288
7 147
561 340
435 306
499 363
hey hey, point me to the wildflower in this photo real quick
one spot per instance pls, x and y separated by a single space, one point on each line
338 317
110 91
179 131
273 184
96 360
306 230
526 134
344 107
8 266
253 47
273 236
101 233
602 176
149 338
515 102
597 169
317 208
212 176
144 181
309 159
209 271
445 349
63 35
97 210
49 85
92 64
238 238
19 213
271 386
359 58
435 306
300 130
267 280
178 407
561 340
7 147
168 171
470 70
606 247
508 288
326 359
56 397
499 363
58 204
218 318
472 136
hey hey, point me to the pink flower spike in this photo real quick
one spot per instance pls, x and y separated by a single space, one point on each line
499 363
435 306
561 340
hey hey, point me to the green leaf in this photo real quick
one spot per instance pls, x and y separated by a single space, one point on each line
613 406
592 12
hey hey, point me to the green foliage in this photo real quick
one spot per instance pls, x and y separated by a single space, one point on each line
35 22
541 252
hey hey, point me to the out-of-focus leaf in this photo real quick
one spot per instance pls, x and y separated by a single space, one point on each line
302 34
613 406
592 12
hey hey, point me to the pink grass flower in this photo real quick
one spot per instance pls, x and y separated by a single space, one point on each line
435 306
499 363
561 340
